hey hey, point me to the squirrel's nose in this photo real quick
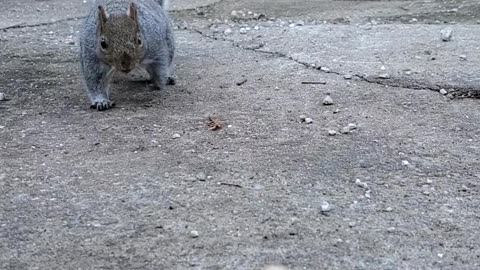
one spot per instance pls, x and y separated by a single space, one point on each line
126 62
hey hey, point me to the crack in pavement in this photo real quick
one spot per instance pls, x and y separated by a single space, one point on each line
453 91
24 25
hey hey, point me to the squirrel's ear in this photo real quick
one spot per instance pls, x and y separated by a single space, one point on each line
102 17
132 11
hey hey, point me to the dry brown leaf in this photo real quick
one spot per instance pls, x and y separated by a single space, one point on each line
214 123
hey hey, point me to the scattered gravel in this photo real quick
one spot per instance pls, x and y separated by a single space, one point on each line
201 176
384 76
332 132
328 101
446 34
345 130
361 184
325 207
194 234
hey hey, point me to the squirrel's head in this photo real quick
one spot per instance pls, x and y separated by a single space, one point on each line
119 39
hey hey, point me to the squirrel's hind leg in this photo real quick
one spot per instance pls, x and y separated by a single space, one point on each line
159 74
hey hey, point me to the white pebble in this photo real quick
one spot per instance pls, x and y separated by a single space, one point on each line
194 234
228 31
201 176
463 57
446 34
345 130
325 206
405 163
359 183
352 126
389 209
176 136
2 97
443 91
328 101
308 120
332 132
243 30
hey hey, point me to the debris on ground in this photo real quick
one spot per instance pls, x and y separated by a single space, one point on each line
214 123
446 34
328 101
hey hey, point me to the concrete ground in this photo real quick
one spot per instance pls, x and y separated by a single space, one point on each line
147 185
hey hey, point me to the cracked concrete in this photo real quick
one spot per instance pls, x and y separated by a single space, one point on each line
147 185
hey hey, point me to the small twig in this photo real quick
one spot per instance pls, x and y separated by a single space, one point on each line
231 185
242 82
319 82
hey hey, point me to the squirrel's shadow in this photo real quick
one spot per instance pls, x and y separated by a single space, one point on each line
134 90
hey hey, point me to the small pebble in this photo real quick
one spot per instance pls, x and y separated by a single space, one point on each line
2 97
352 224
463 57
359 183
443 91
405 163
325 69
325 207
300 23
348 77
308 120
302 118
328 101
389 209
194 234
332 132
228 31
391 229
275 267
201 176
352 126
440 255
243 30
291 25
446 34
176 136
429 181
345 130
384 76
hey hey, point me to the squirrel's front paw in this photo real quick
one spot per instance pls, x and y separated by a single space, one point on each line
171 80
103 105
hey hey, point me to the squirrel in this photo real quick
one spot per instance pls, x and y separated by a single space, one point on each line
123 35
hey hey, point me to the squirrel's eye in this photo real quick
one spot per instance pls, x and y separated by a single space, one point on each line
139 42
104 44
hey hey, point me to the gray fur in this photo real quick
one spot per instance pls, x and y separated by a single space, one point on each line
158 42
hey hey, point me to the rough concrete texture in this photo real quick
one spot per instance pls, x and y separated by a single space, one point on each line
147 185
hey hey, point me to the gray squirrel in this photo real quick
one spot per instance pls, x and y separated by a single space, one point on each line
122 35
